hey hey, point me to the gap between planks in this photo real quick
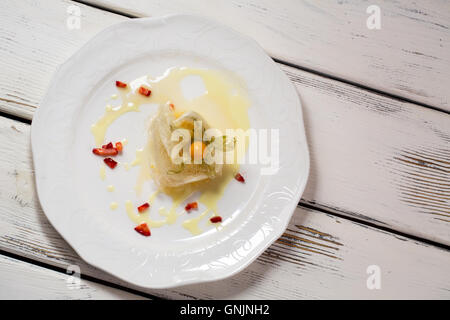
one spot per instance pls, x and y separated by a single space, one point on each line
314 206
322 98
22 279
359 85
311 205
290 238
82 276
291 64
315 247
395 59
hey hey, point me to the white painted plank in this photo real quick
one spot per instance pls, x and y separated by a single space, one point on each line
375 158
409 56
22 280
34 41
372 157
319 256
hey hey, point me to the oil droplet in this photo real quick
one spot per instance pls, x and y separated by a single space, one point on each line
138 160
110 188
102 172
113 205
142 160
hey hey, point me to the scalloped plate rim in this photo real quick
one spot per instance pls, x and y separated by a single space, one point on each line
255 253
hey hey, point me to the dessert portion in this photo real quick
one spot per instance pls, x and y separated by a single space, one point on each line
176 163
184 148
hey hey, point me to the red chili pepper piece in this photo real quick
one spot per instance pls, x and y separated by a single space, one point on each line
144 91
105 152
110 162
171 106
143 229
121 84
143 207
216 219
190 206
119 146
108 146
239 177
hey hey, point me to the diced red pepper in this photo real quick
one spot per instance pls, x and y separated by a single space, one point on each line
190 206
108 146
143 207
239 177
143 229
171 106
144 91
103 152
216 219
121 84
119 146
110 162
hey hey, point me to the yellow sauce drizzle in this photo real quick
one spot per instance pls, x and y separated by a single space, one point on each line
139 218
99 128
153 196
192 224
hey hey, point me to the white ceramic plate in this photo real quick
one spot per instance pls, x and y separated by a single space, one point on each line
75 200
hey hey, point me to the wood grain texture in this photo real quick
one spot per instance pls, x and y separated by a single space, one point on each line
372 157
375 158
23 281
34 41
408 57
319 255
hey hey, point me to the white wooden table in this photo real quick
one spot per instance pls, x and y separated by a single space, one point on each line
376 106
